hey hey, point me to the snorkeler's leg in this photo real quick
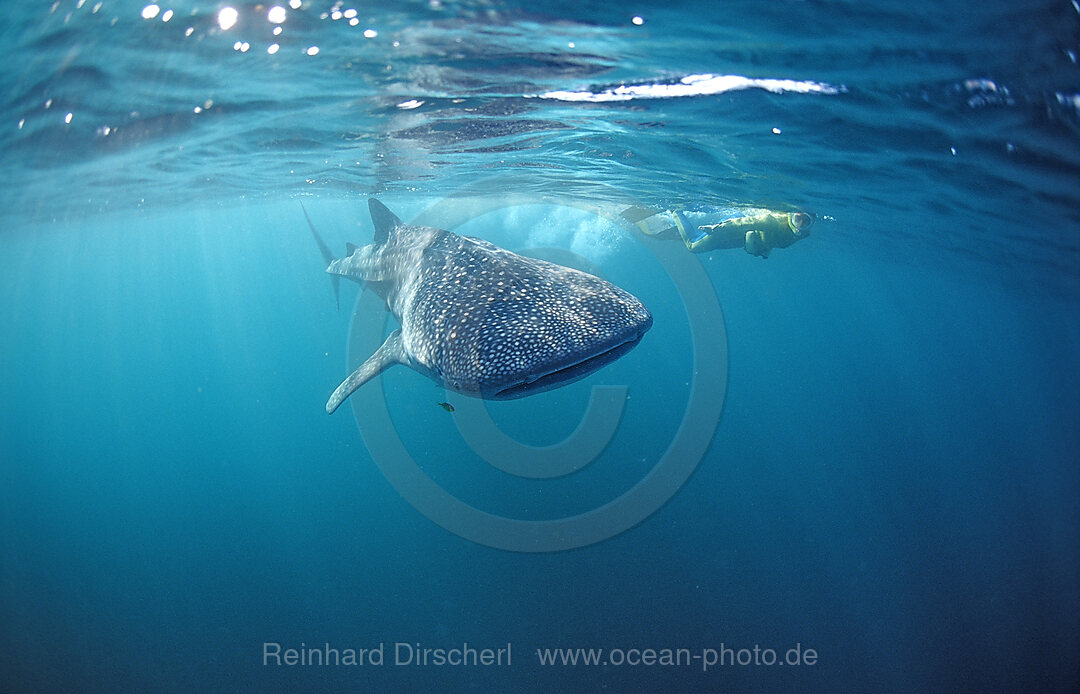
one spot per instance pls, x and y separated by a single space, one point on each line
685 236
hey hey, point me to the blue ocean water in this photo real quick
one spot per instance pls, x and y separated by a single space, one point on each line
894 480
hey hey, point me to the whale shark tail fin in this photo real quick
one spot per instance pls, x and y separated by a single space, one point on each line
383 220
327 256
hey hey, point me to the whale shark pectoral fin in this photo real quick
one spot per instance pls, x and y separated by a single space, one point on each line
391 352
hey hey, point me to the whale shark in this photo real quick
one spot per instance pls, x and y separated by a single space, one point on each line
481 320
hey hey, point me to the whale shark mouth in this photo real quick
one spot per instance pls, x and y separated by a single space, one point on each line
566 375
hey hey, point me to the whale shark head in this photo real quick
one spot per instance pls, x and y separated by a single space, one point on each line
482 320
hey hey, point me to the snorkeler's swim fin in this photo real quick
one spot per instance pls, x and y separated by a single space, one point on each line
662 225
636 214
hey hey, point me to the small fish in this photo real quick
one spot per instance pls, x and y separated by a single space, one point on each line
446 406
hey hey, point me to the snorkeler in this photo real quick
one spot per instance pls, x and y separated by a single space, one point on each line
758 232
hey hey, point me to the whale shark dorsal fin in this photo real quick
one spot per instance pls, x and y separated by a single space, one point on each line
350 248
383 219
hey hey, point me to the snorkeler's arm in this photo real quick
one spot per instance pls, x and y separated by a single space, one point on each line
765 232
755 244
713 237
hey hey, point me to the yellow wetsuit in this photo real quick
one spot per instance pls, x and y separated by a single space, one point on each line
758 234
